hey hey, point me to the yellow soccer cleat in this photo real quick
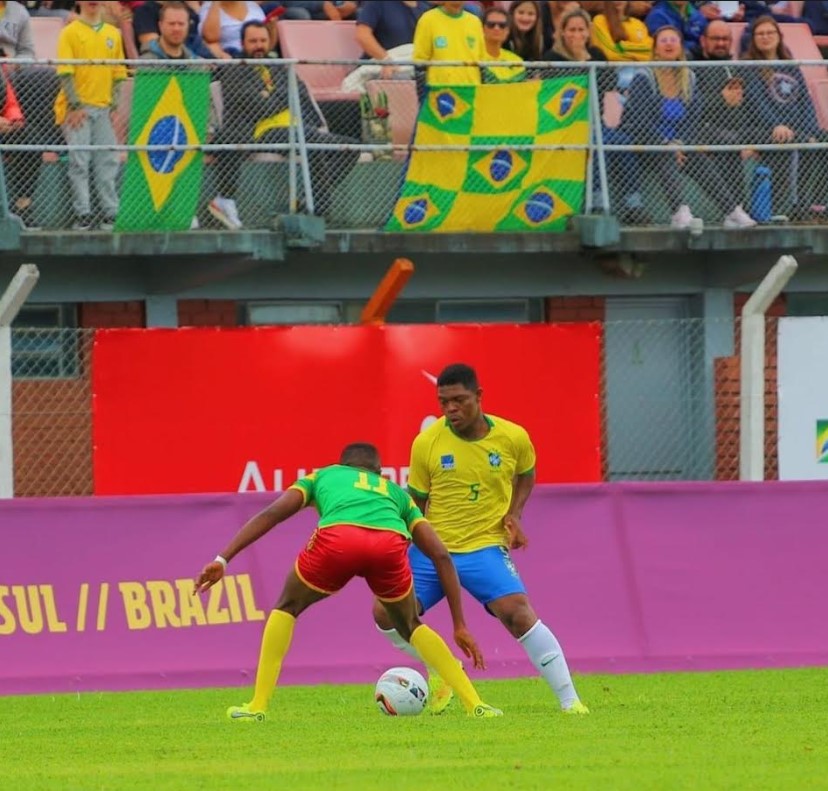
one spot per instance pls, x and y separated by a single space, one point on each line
576 708
243 714
439 694
485 710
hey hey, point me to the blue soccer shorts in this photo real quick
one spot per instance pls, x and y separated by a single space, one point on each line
487 574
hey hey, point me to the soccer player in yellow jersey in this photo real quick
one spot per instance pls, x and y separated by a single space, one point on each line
448 33
476 472
365 526
87 98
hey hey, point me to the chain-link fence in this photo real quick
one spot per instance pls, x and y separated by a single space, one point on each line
669 404
52 412
236 144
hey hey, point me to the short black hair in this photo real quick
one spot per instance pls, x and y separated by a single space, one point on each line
176 5
252 23
458 374
361 454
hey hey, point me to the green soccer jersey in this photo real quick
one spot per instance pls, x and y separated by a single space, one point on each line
350 496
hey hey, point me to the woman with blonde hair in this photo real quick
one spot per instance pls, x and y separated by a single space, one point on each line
572 39
619 36
664 108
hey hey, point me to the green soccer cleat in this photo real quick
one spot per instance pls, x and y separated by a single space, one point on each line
439 694
243 714
485 710
576 708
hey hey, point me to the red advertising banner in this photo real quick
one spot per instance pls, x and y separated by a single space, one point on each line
218 410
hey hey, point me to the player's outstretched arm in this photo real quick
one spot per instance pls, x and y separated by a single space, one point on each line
428 542
285 506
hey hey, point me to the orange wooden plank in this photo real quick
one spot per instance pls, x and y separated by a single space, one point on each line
387 292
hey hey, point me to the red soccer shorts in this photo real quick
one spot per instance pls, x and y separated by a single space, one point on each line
334 555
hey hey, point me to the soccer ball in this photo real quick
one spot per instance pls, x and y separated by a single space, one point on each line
401 692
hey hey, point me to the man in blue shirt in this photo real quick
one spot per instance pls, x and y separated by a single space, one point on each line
680 14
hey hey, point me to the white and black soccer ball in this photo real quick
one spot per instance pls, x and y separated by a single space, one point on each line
401 692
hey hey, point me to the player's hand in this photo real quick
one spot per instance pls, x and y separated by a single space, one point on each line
517 538
468 645
209 576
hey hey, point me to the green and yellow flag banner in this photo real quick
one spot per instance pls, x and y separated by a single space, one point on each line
161 188
505 188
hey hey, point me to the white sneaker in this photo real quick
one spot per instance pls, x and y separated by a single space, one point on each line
682 218
739 218
225 211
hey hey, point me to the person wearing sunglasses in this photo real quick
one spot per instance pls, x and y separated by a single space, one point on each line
495 34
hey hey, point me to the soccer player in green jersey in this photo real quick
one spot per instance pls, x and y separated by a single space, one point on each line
366 524
476 472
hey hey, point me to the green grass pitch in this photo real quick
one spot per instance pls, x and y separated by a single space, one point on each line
745 730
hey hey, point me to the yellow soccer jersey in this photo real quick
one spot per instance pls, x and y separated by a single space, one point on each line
93 84
441 36
469 483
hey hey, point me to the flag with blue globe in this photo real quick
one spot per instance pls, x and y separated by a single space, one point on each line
518 178
162 183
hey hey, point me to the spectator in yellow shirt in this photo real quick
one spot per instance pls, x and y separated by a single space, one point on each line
619 36
495 33
88 95
450 33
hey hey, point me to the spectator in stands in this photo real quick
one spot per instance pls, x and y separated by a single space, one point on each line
385 31
663 109
16 40
450 33
786 116
680 14
526 32
753 9
317 9
220 25
88 95
815 13
619 36
726 118
495 33
257 110
146 24
572 40
716 43
173 32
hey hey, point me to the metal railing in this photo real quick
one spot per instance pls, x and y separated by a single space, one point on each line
748 135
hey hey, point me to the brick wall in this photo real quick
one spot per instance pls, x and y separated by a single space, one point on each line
52 427
112 314
728 390
207 313
575 309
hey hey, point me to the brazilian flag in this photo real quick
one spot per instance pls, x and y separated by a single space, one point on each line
510 184
160 189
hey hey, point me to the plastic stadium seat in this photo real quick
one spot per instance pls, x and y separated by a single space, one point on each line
402 107
321 40
46 30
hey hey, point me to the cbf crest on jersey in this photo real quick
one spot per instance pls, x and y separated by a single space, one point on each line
494 460
447 461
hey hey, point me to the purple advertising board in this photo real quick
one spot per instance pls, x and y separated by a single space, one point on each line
95 593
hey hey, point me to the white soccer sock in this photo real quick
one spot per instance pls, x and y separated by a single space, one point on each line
547 656
396 640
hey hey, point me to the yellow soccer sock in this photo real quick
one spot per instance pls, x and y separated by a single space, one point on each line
278 632
435 653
